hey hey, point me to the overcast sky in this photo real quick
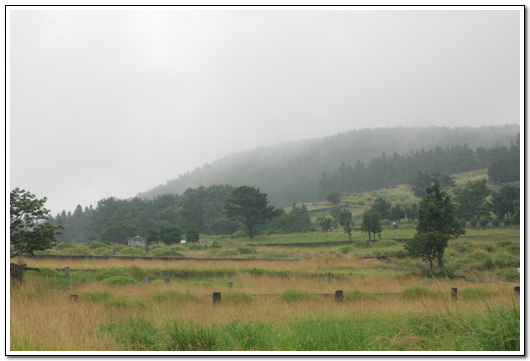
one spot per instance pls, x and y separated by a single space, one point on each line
115 102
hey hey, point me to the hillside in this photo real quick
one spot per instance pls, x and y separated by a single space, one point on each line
290 172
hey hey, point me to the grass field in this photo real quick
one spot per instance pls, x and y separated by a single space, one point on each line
287 304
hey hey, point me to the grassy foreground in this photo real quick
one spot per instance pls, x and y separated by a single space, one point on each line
279 306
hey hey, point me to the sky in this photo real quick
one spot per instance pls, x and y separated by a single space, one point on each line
110 102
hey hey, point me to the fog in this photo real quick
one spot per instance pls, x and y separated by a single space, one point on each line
112 102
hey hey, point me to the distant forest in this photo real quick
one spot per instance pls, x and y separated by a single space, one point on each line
298 172
353 161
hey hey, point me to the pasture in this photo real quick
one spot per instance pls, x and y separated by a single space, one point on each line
275 296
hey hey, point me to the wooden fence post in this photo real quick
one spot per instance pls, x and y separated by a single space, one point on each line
216 298
517 289
147 281
339 296
67 271
454 293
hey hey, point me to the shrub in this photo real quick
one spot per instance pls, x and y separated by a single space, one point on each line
119 281
473 222
215 245
245 250
495 222
483 222
489 248
417 292
346 249
196 247
507 220
488 264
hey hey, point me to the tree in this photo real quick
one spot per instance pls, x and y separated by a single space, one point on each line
437 214
192 234
471 199
346 222
248 206
333 197
427 246
325 223
382 206
29 227
503 200
371 223
170 234
117 232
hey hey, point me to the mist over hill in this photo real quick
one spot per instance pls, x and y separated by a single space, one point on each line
290 172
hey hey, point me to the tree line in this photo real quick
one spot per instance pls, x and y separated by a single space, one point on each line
502 163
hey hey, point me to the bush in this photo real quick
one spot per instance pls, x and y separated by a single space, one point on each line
488 264
495 222
507 220
345 249
119 281
483 222
417 292
245 250
473 222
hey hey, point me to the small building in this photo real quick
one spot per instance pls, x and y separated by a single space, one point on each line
135 241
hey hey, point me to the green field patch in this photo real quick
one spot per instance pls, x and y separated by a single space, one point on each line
119 281
238 298
297 296
417 292
477 292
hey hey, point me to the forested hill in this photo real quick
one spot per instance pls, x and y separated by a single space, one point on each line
291 172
